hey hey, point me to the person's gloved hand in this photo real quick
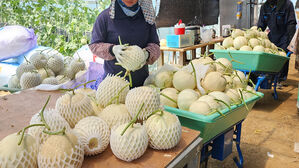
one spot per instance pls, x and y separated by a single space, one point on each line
146 54
118 51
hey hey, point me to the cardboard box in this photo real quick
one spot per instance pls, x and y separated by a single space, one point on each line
179 41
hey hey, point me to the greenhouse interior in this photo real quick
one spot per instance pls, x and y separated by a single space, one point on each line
149 83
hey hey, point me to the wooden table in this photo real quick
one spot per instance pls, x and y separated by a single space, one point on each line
183 51
16 111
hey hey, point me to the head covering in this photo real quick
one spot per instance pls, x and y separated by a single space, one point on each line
147 9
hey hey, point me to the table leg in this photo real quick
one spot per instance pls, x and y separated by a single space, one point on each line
193 53
183 58
174 57
161 59
203 50
238 161
274 87
210 47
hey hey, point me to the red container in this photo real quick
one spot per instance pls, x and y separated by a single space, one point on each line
179 31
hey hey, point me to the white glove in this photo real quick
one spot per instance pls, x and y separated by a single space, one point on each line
118 51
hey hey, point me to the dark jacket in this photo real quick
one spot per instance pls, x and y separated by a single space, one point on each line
281 21
132 30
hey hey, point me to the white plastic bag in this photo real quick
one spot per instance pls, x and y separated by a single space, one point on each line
16 40
150 80
207 35
200 71
87 56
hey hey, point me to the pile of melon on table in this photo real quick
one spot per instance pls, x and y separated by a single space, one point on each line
252 39
46 66
84 122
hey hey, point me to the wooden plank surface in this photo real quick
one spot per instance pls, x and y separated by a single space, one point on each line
151 158
213 41
16 111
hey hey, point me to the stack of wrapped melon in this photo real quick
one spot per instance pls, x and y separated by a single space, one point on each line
250 40
86 121
46 66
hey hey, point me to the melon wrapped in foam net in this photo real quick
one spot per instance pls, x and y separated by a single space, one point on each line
94 134
109 88
115 115
131 145
55 121
145 94
61 151
21 156
87 91
133 59
164 131
74 107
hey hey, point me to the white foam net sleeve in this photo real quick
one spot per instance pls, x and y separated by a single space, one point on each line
26 158
115 115
74 107
137 96
55 121
164 132
109 88
131 145
93 129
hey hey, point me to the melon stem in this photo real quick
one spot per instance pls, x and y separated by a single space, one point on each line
253 85
239 77
42 114
248 91
26 59
228 106
220 113
84 84
194 71
225 67
162 94
128 73
55 133
130 79
119 40
248 76
119 73
133 120
155 112
24 129
243 101
233 60
118 95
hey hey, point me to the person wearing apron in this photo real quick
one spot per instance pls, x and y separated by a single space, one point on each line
134 22
279 17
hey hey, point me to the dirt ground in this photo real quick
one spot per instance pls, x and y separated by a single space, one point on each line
272 126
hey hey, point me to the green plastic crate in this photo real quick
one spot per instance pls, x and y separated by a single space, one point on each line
212 125
253 60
